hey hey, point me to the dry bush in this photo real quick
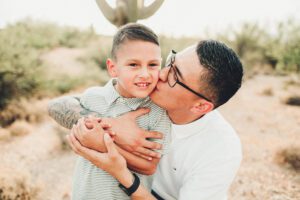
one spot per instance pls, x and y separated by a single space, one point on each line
62 132
16 185
292 100
4 134
293 82
20 128
267 92
28 110
290 157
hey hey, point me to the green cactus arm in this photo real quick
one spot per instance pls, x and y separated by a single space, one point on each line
107 10
146 12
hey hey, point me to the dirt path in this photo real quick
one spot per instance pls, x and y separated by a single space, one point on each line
42 162
64 61
265 126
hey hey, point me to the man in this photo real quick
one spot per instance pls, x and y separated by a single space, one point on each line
205 152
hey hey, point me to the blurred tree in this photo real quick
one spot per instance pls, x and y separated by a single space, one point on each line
128 10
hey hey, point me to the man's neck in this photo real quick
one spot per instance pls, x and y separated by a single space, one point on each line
179 118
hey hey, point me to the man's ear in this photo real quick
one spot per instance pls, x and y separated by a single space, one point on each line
202 107
111 68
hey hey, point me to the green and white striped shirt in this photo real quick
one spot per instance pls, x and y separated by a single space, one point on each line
91 182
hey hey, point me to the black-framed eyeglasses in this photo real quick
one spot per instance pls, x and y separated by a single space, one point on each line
173 80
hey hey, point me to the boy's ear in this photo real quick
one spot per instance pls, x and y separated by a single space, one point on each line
111 68
202 107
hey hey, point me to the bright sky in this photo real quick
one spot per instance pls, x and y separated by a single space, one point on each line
175 17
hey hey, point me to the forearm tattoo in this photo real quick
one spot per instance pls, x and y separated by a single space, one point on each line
67 110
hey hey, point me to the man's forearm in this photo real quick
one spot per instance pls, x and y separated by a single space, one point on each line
126 178
67 110
134 162
139 164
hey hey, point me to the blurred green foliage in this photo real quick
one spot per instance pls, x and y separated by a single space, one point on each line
258 47
21 70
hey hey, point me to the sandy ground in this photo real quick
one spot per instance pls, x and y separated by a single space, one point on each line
265 126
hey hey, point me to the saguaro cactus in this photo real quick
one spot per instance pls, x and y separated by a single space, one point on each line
128 10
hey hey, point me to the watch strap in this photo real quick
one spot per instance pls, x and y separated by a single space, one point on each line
133 187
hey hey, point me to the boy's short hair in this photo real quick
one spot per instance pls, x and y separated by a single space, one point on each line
132 31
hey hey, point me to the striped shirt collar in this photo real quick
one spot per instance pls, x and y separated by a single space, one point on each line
111 95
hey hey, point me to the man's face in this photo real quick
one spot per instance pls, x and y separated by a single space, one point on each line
136 68
189 67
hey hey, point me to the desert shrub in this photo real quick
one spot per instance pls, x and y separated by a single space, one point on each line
4 134
96 56
170 43
292 100
258 47
100 51
20 128
19 67
21 70
59 85
247 41
289 156
294 80
267 92
15 184
27 110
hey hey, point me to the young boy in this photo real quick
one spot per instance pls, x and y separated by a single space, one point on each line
134 68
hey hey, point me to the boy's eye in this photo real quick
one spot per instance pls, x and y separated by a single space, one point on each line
153 65
133 64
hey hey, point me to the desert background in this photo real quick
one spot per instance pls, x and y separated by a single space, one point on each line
42 59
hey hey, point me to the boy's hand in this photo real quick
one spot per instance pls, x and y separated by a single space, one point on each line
131 137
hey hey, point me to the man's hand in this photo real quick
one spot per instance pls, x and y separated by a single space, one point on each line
112 161
91 135
131 137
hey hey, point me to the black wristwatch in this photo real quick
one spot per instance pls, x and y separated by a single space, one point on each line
133 187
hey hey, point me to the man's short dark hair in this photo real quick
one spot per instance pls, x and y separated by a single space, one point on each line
131 32
224 70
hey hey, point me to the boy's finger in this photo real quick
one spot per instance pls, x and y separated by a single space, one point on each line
94 119
82 126
99 119
105 125
89 125
110 132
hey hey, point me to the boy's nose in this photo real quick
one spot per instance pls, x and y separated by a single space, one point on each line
144 72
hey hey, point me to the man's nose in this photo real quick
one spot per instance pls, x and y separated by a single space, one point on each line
163 74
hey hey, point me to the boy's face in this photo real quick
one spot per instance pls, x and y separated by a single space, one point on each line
136 67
